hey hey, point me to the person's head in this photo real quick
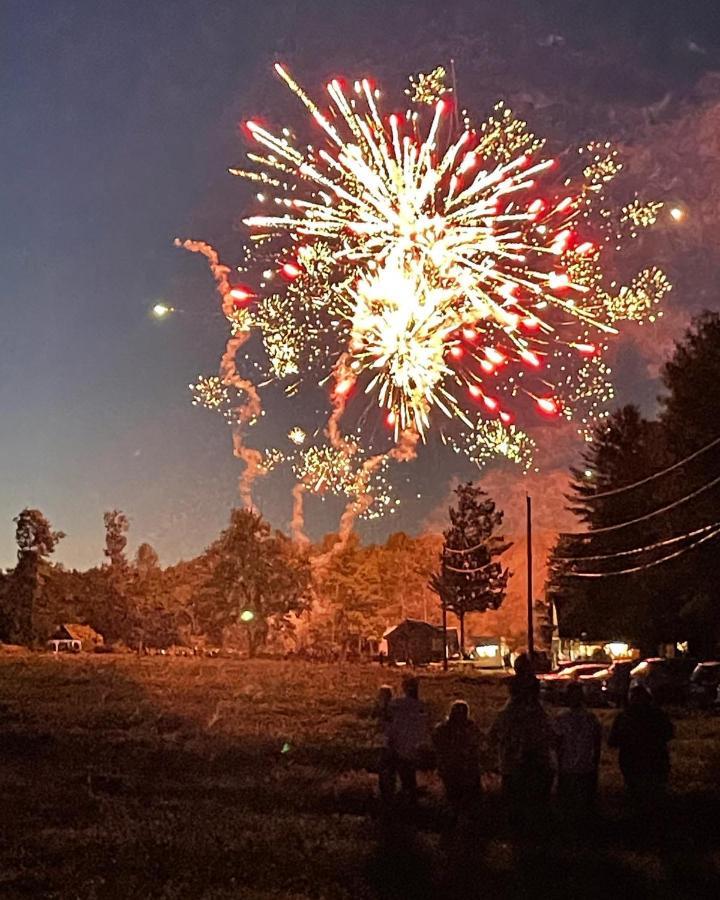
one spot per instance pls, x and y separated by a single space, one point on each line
523 665
524 688
574 695
411 686
384 696
459 713
639 695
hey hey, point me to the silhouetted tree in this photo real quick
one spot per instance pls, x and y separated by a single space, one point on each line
691 378
669 601
116 527
36 542
471 579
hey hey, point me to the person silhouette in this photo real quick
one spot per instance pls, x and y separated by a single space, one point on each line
522 738
578 740
457 748
408 739
641 733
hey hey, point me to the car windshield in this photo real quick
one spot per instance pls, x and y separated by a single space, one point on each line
709 672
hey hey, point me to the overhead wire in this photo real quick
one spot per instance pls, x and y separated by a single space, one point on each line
646 549
656 475
644 518
650 565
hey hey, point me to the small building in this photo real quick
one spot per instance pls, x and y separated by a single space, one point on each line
418 643
488 652
73 637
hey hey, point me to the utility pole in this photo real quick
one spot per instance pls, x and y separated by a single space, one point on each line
444 632
530 630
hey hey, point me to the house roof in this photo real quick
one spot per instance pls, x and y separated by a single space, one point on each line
78 632
412 625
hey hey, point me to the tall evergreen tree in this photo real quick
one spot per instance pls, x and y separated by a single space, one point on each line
691 378
470 578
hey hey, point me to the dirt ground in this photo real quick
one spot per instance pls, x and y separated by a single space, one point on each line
171 777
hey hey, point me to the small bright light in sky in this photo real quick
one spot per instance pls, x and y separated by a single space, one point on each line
160 310
247 615
588 473
677 214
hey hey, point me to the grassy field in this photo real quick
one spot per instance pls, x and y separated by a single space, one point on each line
159 777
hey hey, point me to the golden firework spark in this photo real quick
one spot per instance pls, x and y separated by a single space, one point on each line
428 89
489 440
434 268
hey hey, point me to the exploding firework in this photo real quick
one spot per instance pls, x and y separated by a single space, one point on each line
452 276
489 440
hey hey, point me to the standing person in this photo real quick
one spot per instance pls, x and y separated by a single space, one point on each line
408 740
522 737
641 734
381 712
578 736
457 746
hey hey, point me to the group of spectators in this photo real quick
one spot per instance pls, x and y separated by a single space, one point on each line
530 750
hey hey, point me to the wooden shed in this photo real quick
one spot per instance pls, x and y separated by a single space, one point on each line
418 643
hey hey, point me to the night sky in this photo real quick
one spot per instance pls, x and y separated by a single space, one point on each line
119 123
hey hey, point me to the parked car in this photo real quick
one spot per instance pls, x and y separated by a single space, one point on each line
554 684
668 680
704 683
609 686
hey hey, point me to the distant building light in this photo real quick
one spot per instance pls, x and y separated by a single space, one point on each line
677 213
487 651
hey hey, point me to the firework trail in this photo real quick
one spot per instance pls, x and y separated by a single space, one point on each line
297 524
251 408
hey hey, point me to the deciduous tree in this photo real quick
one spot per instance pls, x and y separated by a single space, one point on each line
258 578
36 542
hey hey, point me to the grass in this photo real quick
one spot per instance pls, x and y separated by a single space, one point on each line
171 777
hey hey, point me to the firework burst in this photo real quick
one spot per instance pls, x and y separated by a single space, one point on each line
453 276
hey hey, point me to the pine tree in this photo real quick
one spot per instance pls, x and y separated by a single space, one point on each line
471 579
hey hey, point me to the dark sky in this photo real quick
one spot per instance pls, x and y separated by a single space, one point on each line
119 121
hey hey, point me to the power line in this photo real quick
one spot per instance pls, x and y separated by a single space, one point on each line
630 487
650 515
465 550
645 549
649 565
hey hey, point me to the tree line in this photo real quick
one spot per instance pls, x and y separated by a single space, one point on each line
646 494
254 587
